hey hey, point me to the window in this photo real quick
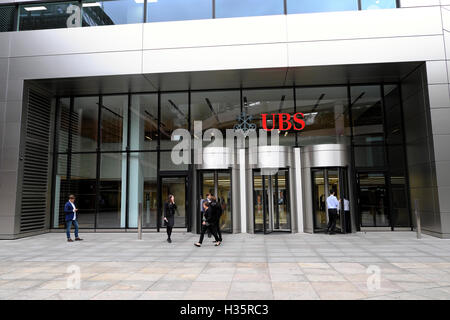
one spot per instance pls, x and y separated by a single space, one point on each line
99 13
50 16
144 122
7 18
175 10
378 4
114 124
174 115
309 6
247 8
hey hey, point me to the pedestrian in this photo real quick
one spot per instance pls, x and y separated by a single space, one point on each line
333 205
169 216
208 224
217 213
71 218
348 222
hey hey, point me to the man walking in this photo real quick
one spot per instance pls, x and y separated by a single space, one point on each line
71 217
217 213
208 224
333 205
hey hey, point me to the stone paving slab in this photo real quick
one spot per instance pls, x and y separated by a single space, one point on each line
378 265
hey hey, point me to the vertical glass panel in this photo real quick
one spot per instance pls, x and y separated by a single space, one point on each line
400 211
378 4
369 157
283 217
143 188
177 187
49 15
112 191
333 185
367 114
224 199
308 6
208 185
83 185
269 199
100 13
64 125
84 121
114 124
319 200
166 163
373 200
7 18
258 201
144 122
62 190
247 8
271 101
325 110
394 129
216 109
174 115
175 10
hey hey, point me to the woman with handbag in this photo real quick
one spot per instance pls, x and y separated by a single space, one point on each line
169 215
209 223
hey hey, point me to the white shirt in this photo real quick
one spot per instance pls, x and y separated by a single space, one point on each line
346 205
74 212
332 202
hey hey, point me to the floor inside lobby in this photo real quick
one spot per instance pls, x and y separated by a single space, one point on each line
275 266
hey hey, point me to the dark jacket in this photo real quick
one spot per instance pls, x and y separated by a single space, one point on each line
169 213
68 210
209 216
216 211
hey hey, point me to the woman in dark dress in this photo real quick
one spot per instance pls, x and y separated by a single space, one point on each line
169 215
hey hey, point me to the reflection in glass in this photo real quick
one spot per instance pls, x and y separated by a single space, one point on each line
112 191
83 174
378 4
144 122
325 110
166 163
247 8
109 12
64 124
224 200
143 188
373 200
174 115
369 156
367 114
319 196
61 192
114 123
177 10
258 201
177 187
84 121
49 15
309 6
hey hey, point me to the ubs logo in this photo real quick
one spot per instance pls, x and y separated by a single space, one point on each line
285 121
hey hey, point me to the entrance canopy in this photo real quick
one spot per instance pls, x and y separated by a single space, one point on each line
227 79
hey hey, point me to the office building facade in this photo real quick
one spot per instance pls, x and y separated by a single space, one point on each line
93 95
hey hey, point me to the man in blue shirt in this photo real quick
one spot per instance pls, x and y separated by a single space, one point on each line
333 205
71 217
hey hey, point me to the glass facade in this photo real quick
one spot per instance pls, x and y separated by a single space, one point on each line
114 152
53 15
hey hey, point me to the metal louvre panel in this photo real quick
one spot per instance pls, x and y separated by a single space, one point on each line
7 18
35 163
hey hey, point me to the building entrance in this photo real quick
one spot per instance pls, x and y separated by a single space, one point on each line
271 202
324 181
177 186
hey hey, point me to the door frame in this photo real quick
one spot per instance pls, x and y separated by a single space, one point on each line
215 172
343 189
174 174
264 204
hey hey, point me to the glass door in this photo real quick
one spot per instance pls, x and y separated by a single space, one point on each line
176 185
324 181
373 200
271 202
218 183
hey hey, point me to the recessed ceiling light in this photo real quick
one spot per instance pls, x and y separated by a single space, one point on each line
40 8
91 4
139 1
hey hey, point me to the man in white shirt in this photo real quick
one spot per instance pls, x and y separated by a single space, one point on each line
332 205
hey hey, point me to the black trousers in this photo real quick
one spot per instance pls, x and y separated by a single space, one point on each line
332 217
219 234
348 222
212 229
169 231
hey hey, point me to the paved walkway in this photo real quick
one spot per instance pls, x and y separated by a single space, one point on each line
276 266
